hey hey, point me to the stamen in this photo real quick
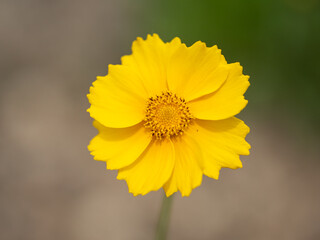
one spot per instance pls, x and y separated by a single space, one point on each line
167 115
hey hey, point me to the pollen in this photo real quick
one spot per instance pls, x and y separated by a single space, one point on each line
167 115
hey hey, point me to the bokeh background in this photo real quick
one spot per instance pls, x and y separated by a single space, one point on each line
51 52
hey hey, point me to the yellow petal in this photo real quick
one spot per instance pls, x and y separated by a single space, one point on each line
152 170
118 99
196 71
221 143
171 48
128 79
187 172
119 147
227 101
148 58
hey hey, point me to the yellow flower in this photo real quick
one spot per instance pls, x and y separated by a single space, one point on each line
166 116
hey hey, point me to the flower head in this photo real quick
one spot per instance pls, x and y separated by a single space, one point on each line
166 116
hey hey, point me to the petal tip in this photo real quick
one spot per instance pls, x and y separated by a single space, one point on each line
176 40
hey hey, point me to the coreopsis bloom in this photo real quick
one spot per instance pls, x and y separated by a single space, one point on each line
165 116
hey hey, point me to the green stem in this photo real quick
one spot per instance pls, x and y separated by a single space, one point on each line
163 222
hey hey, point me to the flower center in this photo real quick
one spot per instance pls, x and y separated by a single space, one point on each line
167 115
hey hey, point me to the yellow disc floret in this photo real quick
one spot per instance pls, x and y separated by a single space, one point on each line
167 115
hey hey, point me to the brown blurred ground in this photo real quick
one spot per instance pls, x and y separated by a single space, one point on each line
51 188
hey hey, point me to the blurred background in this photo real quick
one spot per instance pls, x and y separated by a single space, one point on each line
51 52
